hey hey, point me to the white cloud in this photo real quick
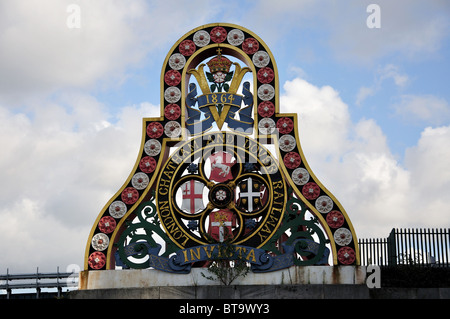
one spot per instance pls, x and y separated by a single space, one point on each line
385 73
428 161
59 167
364 93
414 29
41 54
320 111
427 109
391 71
31 238
354 162
64 154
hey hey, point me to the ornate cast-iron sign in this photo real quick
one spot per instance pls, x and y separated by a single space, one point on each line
220 164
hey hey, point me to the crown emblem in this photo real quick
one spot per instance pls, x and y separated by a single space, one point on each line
219 63
219 97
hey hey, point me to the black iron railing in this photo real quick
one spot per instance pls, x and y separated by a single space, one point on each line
422 247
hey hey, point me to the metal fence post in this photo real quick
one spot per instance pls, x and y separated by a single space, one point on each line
392 248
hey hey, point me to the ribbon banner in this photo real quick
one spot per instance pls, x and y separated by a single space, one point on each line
183 259
210 100
223 98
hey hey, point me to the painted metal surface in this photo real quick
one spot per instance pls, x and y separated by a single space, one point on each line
248 114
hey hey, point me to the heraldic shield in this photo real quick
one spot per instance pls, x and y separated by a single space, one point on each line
220 164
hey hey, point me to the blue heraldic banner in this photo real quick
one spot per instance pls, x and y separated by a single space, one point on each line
183 259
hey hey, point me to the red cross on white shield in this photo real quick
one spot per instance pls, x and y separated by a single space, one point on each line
219 221
192 192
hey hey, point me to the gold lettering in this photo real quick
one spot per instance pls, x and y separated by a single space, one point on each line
262 237
180 155
184 243
176 158
223 253
178 234
216 138
195 256
253 149
208 253
219 138
277 195
246 143
164 182
278 184
265 228
208 139
239 251
194 145
171 166
173 229
230 139
273 219
262 152
273 168
251 255
263 156
167 174
164 208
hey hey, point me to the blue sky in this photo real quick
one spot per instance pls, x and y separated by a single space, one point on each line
373 105
307 48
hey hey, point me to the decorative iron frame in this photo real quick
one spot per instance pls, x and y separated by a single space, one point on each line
137 190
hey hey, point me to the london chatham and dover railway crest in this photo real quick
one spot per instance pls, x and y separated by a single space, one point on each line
221 164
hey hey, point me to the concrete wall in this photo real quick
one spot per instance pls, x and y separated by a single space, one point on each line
315 282
267 292
147 278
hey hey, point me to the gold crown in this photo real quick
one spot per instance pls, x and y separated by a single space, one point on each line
219 64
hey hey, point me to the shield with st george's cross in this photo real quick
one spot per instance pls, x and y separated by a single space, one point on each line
221 224
192 194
